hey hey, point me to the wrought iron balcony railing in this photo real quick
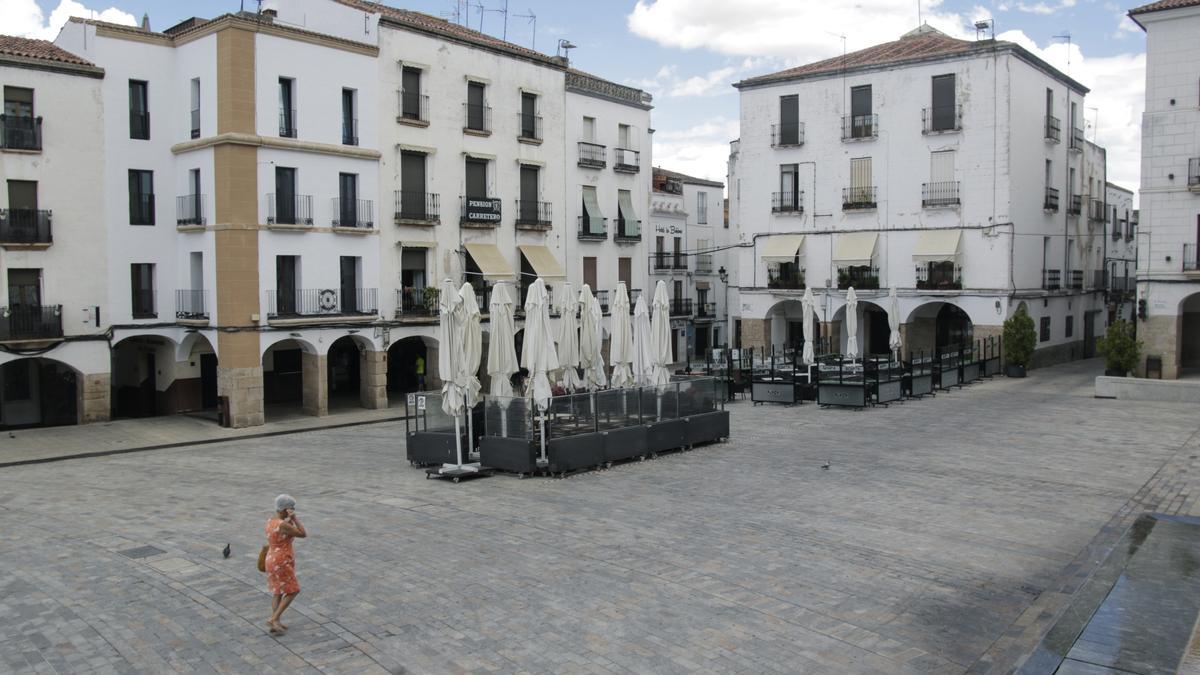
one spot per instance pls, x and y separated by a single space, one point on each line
287 123
416 302
628 230
667 260
353 213
706 310
1050 201
944 193
634 294
681 307
626 160
189 210
1051 279
1096 210
1053 131
534 215
862 197
787 134
1076 139
592 155
934 277
1194 172
191 305
785 278
859 277
602 298
412 107
477 118
1076 280
20 132
788 202
25 226
529 127
289 209
30 322
860 127
1075 208
592 228
322 302
704 263
941 118
349 131
415 207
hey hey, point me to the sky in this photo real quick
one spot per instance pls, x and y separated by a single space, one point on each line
687 53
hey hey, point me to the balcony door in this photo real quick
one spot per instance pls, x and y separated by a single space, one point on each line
789 186
285 195
475 106
943 106
625 272
348 200
349 284
410 96
22 209
528 115
476 178
589 272
860 112
789 120
412 185
24 288
286 267
860 180
529 194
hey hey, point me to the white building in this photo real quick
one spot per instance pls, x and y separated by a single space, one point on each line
53 307
1120 252
1169 226
904 165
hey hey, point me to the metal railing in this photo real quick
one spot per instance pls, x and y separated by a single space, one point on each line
1051 280
1117 227
414 302
353 213
668 260
1050 202
290 210
287 123
412 107
706 310
143 303
704 263
534 215
1122 284
593 228
1099 279
1194 172
941 118
420 207
858 276
189 210
788 202
860 126
322 302
789 278
190 305
629 230
862 197
141 209
195 123
626 160
933 277
1096 209
592 155
787 134
480 210
477 118
529 127
944 193
349 131
681 307
20 132
30 322
1053 131
1075 208
1076 281
1076 139
1190 263
602 298
25 226
139 124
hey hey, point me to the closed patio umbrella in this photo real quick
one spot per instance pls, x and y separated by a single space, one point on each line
660 337
809 355
620 346
502 349
472 338
851 323
591 355
643 344
894 321
537 350
568 340
452 363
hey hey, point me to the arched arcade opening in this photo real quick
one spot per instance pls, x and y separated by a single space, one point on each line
937 326
38 392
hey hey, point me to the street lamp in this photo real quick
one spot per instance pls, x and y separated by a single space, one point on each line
723 275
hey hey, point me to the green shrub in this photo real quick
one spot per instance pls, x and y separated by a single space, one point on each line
1120 347
1019 338
432 295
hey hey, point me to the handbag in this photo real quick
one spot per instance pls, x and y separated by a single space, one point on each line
262 559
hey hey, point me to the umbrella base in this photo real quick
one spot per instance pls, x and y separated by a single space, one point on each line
455 473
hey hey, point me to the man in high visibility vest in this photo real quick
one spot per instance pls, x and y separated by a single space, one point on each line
420 368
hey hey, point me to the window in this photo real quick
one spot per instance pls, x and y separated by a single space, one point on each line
593 219
349 121
941 167
195 107
789 120
141 283
861 192
862 123
589 129
679 259
287 107
347 211
285 211
702 208
139 110
627 222
531 211
1070 325
476 106
1045 329
589 272
789 187
625 271
411 107
141 197
287 283
414 203
350 268
530 124
943 113
20 129
1049 102
188 208
623 137
476 178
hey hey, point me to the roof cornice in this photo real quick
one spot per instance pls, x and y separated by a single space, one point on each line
51 66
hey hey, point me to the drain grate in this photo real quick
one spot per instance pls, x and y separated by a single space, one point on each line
141 552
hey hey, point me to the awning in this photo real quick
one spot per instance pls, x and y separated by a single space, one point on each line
542 261
702 285
937 246
782 248
595 224
490 261
625 204
855 248
417 244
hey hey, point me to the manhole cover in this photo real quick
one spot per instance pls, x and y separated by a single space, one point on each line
141 552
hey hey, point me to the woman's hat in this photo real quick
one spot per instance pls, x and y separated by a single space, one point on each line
284 502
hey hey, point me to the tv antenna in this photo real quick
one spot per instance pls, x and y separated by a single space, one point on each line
564 48
533 21
1065 36
985 26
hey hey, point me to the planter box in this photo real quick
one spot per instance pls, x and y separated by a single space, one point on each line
575 452
434 447
1013 370
706 427
626 443
665 435
517 455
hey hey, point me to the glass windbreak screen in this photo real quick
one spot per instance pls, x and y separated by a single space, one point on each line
508 417
571 415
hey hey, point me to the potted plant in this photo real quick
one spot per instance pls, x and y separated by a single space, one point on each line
1019 338
431 296
1120 349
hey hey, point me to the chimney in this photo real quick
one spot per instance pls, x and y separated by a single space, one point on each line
146 22
271 14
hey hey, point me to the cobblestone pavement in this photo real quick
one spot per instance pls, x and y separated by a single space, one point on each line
943 538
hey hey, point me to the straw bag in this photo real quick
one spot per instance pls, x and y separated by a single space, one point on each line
262 559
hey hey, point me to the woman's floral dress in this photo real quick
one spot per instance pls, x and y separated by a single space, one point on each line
281 562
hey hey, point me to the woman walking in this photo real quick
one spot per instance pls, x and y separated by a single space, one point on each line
281 561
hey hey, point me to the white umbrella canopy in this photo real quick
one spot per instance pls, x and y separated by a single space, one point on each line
660 337
502 348
451 356
808 302
851 323
568 340
643 344
537 350
620 346
591 338
472 338
894 320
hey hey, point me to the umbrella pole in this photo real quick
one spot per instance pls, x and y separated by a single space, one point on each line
542 421
458 440
470 435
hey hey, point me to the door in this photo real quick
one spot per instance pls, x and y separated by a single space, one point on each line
24 301
286 110
589 273
349 284
349 124
476 178
208 381
860 112
943 112
285 284
285 195
22 211
528 116
475 106
789 187
59 394
860 181
412 185
348 200
529 194
789 120
410 95
625 272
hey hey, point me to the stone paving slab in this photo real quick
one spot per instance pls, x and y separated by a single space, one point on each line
937 542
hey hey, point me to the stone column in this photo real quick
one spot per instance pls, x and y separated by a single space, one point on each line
433 380
372 379
756 333
1160 337
832 332
95 398
316 384
244 389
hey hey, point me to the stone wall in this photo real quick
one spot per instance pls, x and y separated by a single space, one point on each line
95 398
755 333
1061 353
316 384
244 389
1160 337
372 383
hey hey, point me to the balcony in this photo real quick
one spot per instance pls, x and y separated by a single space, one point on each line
681 307
479 212
412 109
860 277
141 209
785 278
941 119
626 160
533 215
139 125
664 261
935 277
353 213
1050 201
287 123
602 298
289 210
417 208
1076 139
860 127
629 231
1099 280
189 210
939 195
1051 280
1194 173
704 263
1122 284
30 322
787 135
1076 280
706 310
1189 258
20 132
1096 210
143 303
25 226
593 229
319 302
416 303
1117 227
857 198
477 119
191 305
592 155
1053 131
349 131
195 126
1075 208
789 203
529 128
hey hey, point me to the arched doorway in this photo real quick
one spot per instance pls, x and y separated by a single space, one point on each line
937 326
787 325
37 392
1189 335
283 376
875 329
953 328
144 369
195 384
408 366
343 365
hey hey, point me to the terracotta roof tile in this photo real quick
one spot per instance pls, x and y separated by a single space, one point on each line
1164 4
44 50
684 178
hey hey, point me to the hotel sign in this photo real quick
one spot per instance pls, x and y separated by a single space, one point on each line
481 208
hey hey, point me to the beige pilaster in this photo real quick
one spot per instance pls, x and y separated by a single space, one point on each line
372 381
95 398
1160 336
244 389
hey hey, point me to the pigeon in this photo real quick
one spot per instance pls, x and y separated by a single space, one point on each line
826 465
226 551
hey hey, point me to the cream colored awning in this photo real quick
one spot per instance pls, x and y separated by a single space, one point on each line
855 248
490 261
542 261
937 246
782 248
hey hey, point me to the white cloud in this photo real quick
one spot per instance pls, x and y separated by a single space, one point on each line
1035 8
699 151
668 82
26 19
